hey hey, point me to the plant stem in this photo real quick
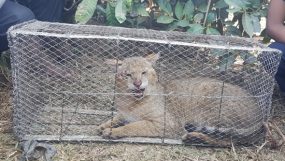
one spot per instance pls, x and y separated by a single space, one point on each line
206 15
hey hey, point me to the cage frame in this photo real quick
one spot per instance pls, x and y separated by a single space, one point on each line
13 31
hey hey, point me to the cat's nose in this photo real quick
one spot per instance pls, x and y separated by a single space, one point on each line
137 83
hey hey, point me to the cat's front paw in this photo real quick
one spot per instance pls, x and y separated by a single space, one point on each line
194 138
99 130
108 134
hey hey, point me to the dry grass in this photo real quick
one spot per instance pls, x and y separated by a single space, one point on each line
139 152
8 150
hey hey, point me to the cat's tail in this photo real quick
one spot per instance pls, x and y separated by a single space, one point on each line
220 136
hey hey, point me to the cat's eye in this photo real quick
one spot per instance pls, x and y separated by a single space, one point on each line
144 72
129 75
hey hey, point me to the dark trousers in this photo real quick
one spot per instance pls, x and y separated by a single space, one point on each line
13 13
280 75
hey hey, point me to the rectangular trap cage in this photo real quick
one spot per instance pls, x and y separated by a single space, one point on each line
70 80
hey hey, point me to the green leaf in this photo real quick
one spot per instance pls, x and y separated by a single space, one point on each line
239 4
247 24
212 31
188 10
196 29
85 11
221 4
110 15
250 24
211 17
128 3
255 3
179 10
165 6
256 23
121 11
203 7
141 10
233 10
198 17
165 19
182 23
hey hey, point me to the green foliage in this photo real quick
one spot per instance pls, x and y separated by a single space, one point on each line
165 6
85 11
196 29
212 31
188 10
225 17
179 10
212 17
110 15
165 19
121 11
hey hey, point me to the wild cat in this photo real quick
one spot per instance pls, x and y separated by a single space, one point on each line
191 109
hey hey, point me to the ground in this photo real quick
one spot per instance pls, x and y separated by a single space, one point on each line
9 149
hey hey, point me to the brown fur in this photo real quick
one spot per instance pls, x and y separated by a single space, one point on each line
237 116
139 117
145 116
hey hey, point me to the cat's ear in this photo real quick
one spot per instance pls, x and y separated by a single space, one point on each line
152 57
115 64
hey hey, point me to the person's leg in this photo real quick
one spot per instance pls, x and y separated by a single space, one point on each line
46 10
11 14
280 75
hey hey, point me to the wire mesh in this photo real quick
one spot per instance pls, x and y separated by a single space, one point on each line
99 83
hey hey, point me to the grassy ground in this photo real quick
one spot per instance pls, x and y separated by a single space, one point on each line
137 152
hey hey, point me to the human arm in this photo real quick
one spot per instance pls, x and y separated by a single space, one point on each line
275 20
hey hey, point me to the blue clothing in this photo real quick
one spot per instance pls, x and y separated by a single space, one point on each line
12 13
45 10
280 75
2 2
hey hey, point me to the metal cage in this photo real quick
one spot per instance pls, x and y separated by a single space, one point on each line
64 89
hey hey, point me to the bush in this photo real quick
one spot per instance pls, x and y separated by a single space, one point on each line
215 17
